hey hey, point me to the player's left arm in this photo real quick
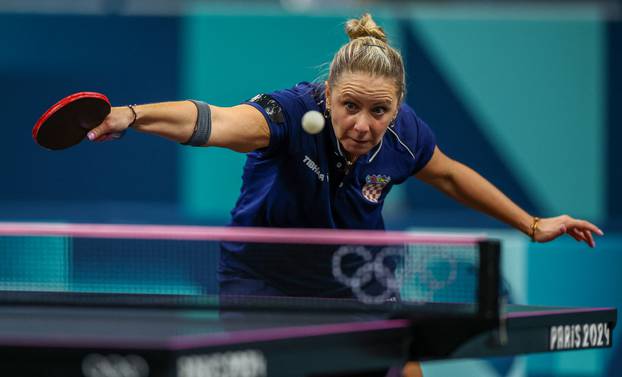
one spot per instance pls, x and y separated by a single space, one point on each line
468 187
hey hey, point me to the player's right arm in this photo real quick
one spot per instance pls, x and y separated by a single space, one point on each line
241 128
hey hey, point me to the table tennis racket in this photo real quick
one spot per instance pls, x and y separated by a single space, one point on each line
67 122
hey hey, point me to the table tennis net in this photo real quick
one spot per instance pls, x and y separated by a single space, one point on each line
203 265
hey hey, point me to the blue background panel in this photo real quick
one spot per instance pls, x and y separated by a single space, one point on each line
46 57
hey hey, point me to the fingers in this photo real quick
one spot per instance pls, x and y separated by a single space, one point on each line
576 234
590 238
585 225
106 137
99 132
580 230
583 236
104 132
114 126
110 136
584 230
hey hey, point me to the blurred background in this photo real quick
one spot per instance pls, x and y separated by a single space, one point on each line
528 93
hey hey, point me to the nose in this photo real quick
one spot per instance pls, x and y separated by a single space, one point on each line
363 123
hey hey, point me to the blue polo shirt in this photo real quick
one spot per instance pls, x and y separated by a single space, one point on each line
303 181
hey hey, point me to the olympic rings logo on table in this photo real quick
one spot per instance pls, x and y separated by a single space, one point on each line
392 280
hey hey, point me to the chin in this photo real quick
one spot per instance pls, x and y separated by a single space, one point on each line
357 149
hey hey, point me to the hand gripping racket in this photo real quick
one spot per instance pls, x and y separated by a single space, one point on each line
67 122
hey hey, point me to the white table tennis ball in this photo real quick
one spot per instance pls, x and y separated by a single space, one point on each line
313 122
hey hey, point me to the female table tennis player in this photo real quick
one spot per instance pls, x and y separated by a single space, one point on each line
338 178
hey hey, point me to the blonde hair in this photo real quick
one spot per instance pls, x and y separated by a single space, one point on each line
368 51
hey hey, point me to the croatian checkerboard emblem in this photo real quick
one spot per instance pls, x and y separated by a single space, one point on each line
374 184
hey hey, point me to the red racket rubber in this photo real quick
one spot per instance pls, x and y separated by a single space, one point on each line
68 122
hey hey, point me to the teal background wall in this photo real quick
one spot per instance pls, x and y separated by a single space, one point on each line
536 88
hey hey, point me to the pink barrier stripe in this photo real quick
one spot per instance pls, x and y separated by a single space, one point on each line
262 335
240 234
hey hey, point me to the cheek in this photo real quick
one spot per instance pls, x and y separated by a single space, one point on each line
341 123
378 129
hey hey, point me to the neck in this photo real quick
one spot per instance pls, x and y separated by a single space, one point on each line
350 158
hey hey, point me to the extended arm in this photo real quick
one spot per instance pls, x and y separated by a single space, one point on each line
468 187
241 128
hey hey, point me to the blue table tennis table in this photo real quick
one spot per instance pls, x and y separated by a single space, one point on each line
166 341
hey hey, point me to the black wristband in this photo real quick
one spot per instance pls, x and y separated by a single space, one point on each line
203 126
135 115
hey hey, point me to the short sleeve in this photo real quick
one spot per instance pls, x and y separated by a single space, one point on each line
274 114
283 111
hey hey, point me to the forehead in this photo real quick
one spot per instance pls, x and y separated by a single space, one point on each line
366 86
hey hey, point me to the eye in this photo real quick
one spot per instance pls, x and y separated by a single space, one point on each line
380 110
350 106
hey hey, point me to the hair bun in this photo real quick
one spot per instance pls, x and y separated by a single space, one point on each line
364 27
